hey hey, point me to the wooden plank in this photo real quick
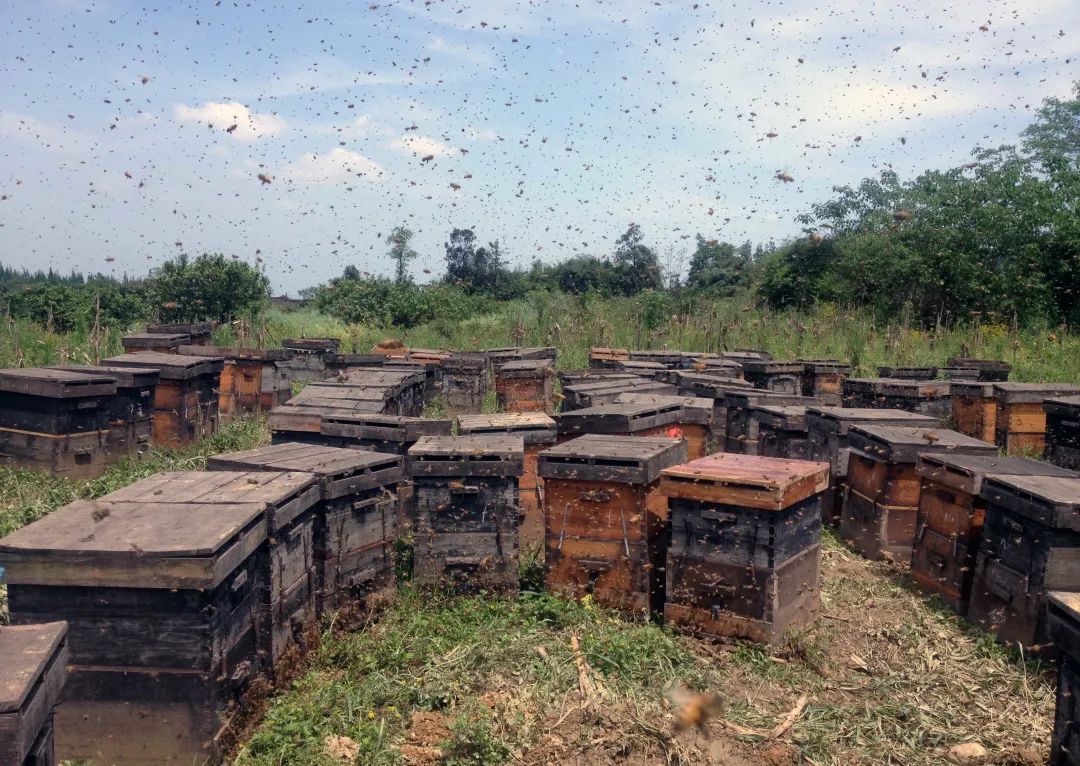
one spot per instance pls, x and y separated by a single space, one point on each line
56 384
1016 393
966 472
744 480
631 459
27 651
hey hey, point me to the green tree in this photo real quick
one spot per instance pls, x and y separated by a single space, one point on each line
401 253
636 265
210 287
474 268
718 265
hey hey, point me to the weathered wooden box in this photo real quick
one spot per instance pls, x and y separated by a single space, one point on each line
606 519
745 553
741 431
908 373
988 370
252 380
644 369
161 603
500 356
584 395
75 456
198 333
781 431
576 377
694 423
1063 431
51 401
926 397
538 431
824 379
402 390
770 375
1063 627
309 362
706 386
381 433
465 382
881 497
670 359
32 676
864 393
600 357
1030 545
525 386
745 354
951 514
974 409
429 364
316 346
151 342
625 419
186 396
131 411
727 368
356 521
466 532
1020 420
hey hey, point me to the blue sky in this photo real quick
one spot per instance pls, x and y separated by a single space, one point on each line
549 126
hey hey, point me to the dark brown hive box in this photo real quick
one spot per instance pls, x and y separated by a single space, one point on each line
728 368
574 377
405 385
951 514
745 354
161 603
908 373
1030 545
1063 626
466 533
741 431
625 419
429 366
32 677
642 368
525 386
1063 431
498 356
770 375
51 401
186 396
198 334
881 498
745 554
864 393
252 380
356 521
1020 421
988 370
600 357
824 379
538 432
154 342
781 431
974 409
606 391
465 381
131 411
672 360
926 397
381 433
309 362
694 423
312 345
606 519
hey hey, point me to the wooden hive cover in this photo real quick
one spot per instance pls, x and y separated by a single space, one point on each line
475 455
497 355
533 427
1068 603
619 459
340 471
788 417
608 382
283 495
383 376
908 373
869 385
125 377
575 377
382 427
826 366
97 543
608 354
170 366
624 418
328 345
966 472
27 650
772 367
1065 406
658 355
692 409
197 328
1030 393
996 365
237 353
921 389
525 368
705 381
473 361
841 419
155 339
753 397
745 354
971 388
346 392
1053 501
902 444
765 483
640 364
328 406
56 384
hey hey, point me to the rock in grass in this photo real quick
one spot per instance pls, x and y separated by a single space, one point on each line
967 754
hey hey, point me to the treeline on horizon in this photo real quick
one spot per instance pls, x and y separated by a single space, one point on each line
997 237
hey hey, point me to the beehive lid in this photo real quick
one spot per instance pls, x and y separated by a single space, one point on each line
966 472
1053 501
902 444
772 367
765 483
197 329
972 388
908 373
841 418
155 340
375 426
618 418
56 384
996 365
126 377
579 377
608 354
496 355
472 361
382 376
639 364
752 397
525 368
142 545
235 352
283 495
967 374
473 455
1067 602
1066 405
714 386
533 427
868 385
692 409
826 366
373 405
745 354
340 471
170 366
27 651
345 392
919 389
787 417
312 344
608 382
619 459
656 355
1030 393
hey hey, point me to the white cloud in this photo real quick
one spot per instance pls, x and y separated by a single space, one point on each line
421 146
334 165
222 116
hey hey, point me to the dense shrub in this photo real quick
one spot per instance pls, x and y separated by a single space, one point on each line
68 306
210 287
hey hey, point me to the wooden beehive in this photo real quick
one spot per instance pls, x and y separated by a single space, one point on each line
606 519
1063 628
1063 431
538 432
356 522
32 677
500 356
908 373
694 422
643 368
745 354
466 531
525 386
309 362
251 379
186 396
672 360
745 554
963 374
827 441
769 375
161 603
286 604
312 345
824 379
864 393
781 431
1020 420
429 364
881 496
988 370
951 514
151 342
625 419
741 430
382 433
706 386
606 391
401 388
726 368
51 401
600 357
465 382
1030 545
974 409
925 397
198 333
